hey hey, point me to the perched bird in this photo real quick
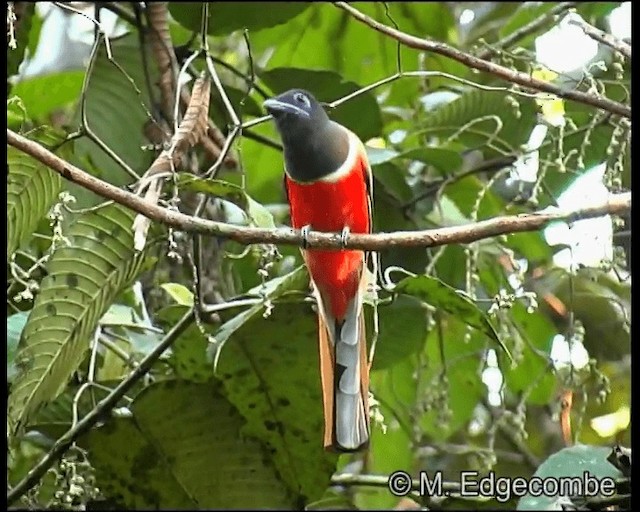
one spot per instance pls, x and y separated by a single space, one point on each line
329 188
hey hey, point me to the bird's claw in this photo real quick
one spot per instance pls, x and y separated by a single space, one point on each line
344 236
304 232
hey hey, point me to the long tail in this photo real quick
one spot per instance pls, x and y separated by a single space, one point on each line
345 380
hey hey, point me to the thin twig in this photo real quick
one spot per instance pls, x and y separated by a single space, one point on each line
98 412
117 351
602 37
525 30
616 204
348 479
248 134
474 62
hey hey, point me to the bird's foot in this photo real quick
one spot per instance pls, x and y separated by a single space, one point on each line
304 231
344 237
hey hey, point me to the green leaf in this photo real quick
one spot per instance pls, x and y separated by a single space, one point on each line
446 298
269 368
326 38
15 325
447 355
394 182
361 114
193 358
392 450
116 112
17 115
574 461
226 17
31 190
405 319
216 188
445 160
257 213
83 280
47 93
525 14
531 373
477 118
178 292
183 449
592 11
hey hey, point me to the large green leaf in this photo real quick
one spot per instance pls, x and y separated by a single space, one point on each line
31 189
443 297
83 280
44 94
402 331
574 461
117 112
270 372
226 17
478 118
183 449
325 37
193 358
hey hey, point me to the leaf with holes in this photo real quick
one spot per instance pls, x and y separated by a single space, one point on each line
193 355
270 371
443 297
184 449
31 190
83 280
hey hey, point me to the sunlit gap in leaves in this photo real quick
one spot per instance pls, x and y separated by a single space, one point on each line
564 49
65 41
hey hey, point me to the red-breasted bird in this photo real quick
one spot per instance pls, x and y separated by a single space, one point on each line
329 188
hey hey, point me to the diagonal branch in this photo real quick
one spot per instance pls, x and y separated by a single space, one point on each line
471 61
525 30
602 37
616 204
110 401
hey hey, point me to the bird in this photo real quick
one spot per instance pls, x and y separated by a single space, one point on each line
329 188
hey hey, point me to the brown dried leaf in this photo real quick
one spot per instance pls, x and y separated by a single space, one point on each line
196 120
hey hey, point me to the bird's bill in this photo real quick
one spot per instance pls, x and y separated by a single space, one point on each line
276 106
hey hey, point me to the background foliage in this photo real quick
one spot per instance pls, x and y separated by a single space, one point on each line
83 308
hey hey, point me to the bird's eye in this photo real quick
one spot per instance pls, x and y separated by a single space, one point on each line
302 99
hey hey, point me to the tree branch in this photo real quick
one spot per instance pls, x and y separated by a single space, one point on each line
525 30
617 204
602 37
110 401
383 481
471 61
